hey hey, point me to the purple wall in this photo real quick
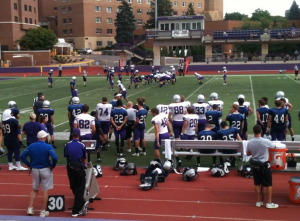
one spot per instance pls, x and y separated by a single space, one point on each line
31 70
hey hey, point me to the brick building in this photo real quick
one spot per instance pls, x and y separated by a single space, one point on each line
16 17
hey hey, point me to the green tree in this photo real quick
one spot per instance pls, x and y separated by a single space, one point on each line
124 23
38 39
294 12
164 8
190 9
260 14
181 53
170 51
164 52
177 51
235 16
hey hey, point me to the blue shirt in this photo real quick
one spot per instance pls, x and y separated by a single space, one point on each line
50 74
31 129
213 117
39 154
10 130
278 117
44 128
263 113
72 83
141 115
113 103
97 133
75 109
228 134
76 151
118 115
45 112
15 111
235 120
206 135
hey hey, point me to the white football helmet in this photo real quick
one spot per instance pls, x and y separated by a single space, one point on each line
176 98
112 68
201 98
171 66
112 71
151 75
195 73
142 76
214 96
279 94
46 103
75 100
241 96
73 78
224 68
136 71
118 82
12 104
51 70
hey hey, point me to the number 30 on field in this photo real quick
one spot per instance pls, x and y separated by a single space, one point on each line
56 203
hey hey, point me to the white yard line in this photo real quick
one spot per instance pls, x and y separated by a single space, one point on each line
253 100
150 129
293 79
198 88
61 124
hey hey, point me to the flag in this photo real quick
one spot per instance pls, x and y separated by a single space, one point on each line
187 61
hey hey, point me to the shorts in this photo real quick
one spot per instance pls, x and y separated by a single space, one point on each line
124 94
105 126
85 137
177 127
228 151
161 137
262 177
50 80
111 83
129 129
224 77
42 176
201 124
277 134
84 78
296 72
131 80
139 134
120 133
187 137
243 135
200 78
49 128
74 93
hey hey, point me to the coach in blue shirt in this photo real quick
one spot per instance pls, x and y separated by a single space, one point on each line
42 167
75 151
31 129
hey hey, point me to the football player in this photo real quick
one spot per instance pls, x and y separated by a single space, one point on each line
214 100
132 69
85 123
162 129
50 78
182 100
235 118
138 80
148 78
139 129
118 119
122 90
296 71
48 112
278 121
74 92
262 116
199 77
163 109
180 69
224 75
214 117
74 110
120 73
200 109
152 70
84 76
111 80
246 111
173 74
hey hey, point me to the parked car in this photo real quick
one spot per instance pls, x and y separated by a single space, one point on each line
84 51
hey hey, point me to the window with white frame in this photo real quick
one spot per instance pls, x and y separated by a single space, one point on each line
109 9
109 20
99 43
109 43
139 11
109 31
63 9
64 21
98 8
139 21
98 31
183 4
70 31
175 3
148 2
98 20
199 5
183 13
139 1
175 12
70 9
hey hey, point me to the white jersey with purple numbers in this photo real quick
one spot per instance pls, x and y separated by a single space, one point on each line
246 103
121 86
178 110
163 109
162 122
187 103
104 111
217 102
201 109
192 120
84 123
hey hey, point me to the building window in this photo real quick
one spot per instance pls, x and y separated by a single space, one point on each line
63 10
109 9
198 25
70 31
162 27
70 9
139 21
26 20
199 13
98 20
65 32
25 7
15 6
109 43
63 0
175 3
129 1
199 5
139 11
109 31
98 8
183 4
183 13
30 20
194 26
34 10
70 20
148 11
139 1
148 2
98 31
109 20
108 0
64 21
99 43
30 8
16 19
175 12
55 8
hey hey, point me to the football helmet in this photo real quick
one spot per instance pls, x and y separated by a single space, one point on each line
112 71
129 169
201 98
214 96
51 70
241 96
176 98
149 181
46 103
75 100
112 68
151 75
169 165
224 68
281 72
217 172
189 174
171 66
136 71
218 72
142 76
97 171
246 171
73 78
12 104
280 94
195 73
118 82
120 164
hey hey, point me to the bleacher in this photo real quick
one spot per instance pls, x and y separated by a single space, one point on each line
237 34
284 33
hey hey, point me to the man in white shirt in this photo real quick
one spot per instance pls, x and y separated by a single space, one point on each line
85 123
84 76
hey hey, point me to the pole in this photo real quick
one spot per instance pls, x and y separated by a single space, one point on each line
155 15
0 52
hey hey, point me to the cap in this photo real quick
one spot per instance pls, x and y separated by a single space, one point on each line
42 134
76 132
118 95
32 115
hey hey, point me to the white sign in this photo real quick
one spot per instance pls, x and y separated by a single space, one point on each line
179 34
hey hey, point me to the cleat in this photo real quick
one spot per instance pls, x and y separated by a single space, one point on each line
12 168
136 154
129 150
44 213
271 205
259 204
30 211
198 165
21 168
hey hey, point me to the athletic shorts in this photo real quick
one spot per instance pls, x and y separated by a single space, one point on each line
262 178
42 176
296 72
111 83
200 78
105 126
74 93
85 137
201 124
84 78
161 137
124 94
50 80
49 128
129 129
277 134
224 77
177 127
120 133
188 137
139 134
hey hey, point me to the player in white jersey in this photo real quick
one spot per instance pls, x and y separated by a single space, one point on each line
199 77
200 109
178 110
85 123
162 129
214 100
224 75
103 111
122 90
182 100
190 125
163 109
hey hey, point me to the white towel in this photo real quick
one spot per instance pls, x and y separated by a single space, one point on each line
168 151
245 157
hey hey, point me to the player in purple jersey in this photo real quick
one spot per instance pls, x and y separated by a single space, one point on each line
262 116
50 78
289 107
111 80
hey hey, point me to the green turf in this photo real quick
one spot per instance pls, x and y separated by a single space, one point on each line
23 90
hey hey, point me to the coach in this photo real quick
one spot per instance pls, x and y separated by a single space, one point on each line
42 167
31 129
262 174
75 153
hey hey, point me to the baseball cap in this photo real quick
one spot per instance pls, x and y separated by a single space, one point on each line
32 115
76 132
42 134
118 95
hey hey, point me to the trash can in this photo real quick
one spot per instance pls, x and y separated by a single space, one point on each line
277 157
295 189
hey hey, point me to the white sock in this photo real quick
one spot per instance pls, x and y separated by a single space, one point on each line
18 164
10 164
